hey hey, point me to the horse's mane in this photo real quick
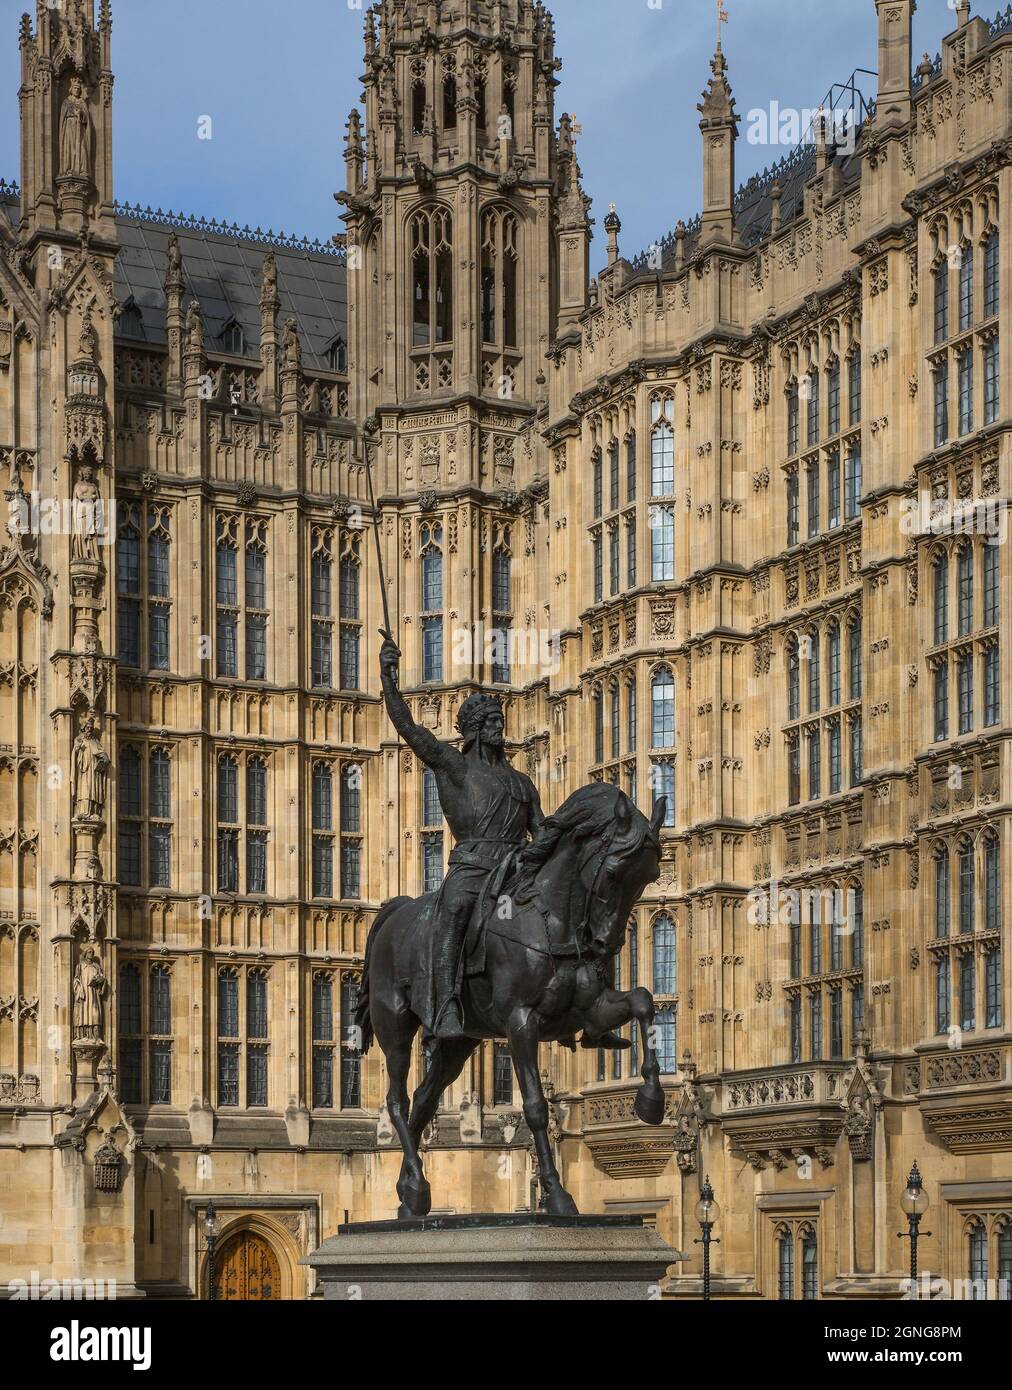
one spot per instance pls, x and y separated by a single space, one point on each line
592 812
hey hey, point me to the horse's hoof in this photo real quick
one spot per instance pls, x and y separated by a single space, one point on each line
649 1105
416 1200
559 1203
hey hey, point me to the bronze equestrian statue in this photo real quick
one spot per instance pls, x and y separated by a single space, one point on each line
518 943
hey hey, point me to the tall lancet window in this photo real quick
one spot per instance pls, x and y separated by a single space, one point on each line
431 546
499 277
432 276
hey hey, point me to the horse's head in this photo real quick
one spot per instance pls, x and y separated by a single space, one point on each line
631 861
603 852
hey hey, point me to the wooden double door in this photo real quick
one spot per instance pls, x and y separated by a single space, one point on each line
247 1270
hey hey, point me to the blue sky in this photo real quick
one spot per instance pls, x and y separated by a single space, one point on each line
278 81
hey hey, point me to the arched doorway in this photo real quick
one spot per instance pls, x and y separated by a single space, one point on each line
247 1270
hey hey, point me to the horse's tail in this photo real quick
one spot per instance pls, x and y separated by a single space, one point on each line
363 1019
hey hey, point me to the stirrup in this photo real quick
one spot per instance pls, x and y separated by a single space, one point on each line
449 1022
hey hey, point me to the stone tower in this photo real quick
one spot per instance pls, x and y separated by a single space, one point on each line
461 203
56 595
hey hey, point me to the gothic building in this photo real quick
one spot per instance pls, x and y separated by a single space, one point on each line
717 525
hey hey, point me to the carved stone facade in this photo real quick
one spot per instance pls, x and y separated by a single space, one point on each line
676 487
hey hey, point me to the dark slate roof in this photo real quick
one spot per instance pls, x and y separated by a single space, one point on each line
753 202
223 269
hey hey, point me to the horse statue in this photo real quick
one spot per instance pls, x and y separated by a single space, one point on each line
537 967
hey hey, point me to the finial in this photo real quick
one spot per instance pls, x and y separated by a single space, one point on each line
721 19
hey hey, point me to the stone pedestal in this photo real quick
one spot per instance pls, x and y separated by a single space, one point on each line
483 1258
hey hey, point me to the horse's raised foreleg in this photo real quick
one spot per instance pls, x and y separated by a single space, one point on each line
612 1009
523 1033
446 1061
649 1102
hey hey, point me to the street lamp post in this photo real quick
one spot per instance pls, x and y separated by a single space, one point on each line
915 1204
707 1214
211 1229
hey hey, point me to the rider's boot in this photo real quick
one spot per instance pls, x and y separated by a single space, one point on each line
450 1017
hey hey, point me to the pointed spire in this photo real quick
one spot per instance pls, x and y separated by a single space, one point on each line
719 127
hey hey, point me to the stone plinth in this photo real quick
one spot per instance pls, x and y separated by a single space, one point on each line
479 1258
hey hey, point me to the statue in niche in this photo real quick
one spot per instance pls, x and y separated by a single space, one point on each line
292 351
75 133
175 261
87 516
270 280
87 343
91 772
90 985
194 327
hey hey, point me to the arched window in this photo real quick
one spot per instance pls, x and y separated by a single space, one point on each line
785 1265
418 106
130 1079
814 674
662 446
833 658
431 241
665 978
793 682
977 1261
941 598
160 817
965 587
855 659
991 274
941 893
431 541
337 355
351 1060
323 830
228 790
323 799
432 815
499 259
256 1004
449 99
232 339
965 285
966 887
131 323
598 698
809 1264
323 1039
351 798
350 575
631 716
256 792
502 605
1005 1260
160 1002
128 588
992 883
662 713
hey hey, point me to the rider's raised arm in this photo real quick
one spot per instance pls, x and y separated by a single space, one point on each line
535 816
433 752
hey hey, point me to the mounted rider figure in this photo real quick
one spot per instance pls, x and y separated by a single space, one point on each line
491 810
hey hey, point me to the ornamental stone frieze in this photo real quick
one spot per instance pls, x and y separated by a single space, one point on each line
619 1145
